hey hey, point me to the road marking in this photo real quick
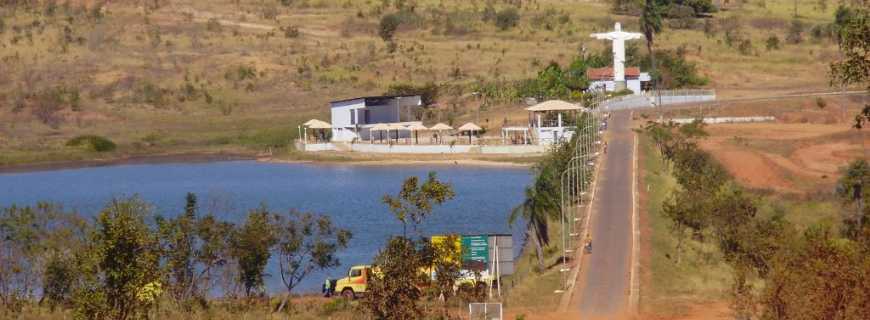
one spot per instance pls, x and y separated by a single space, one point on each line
634 293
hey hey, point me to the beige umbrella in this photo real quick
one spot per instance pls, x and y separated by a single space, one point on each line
440 127
317 125
378 127
470 127
397 127
414 127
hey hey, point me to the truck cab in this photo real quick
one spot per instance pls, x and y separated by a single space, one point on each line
355 283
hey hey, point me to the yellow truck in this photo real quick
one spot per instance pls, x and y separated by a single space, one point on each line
358 277
349 287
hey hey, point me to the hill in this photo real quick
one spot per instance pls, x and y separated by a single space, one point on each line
238 76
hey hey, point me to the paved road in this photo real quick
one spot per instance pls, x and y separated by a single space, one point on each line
605 282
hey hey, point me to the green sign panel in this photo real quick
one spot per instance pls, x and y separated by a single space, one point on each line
475 252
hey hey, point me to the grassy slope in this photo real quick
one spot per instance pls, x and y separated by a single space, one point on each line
337 55
700 275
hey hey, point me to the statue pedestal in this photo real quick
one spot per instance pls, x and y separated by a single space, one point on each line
619 85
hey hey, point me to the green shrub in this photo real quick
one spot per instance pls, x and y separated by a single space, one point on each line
388 26
291 32
772 42
507 18
92 142
795 32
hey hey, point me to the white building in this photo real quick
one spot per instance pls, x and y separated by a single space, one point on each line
602 79
352 118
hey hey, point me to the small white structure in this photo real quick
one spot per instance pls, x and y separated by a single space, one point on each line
353 118
618 37
552 121
603 79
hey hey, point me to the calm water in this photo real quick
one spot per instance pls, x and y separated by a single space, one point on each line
349 194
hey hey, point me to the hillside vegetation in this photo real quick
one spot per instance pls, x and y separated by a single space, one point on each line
238 76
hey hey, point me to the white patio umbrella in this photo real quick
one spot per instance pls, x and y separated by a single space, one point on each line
471 128
415 127
377 127
316 125
440 127
397 127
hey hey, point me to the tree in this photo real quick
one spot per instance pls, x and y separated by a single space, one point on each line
415 201
447 257
853 192
535 210
306 243
179 243
507 18
394 294
650 25
124 259
251 246
214 251
853 34
388 26
820 277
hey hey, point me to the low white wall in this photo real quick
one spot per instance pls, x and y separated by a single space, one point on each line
425 149
714 120
318 147
513 149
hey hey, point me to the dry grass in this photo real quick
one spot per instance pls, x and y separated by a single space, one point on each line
336 55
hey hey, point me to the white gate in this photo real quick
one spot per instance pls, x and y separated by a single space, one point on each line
485 311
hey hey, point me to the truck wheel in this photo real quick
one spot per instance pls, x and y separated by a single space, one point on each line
347 293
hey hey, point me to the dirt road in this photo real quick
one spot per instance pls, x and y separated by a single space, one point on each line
604 284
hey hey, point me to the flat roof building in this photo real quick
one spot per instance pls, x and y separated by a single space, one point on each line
352 118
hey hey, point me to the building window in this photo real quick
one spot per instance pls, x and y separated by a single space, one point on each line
352 116
367 116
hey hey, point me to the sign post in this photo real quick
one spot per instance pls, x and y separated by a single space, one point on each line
475 252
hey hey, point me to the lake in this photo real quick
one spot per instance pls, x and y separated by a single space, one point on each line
350 194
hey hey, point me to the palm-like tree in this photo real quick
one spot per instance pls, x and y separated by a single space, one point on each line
535 210
650 24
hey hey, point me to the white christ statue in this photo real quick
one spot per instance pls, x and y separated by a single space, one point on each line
618 37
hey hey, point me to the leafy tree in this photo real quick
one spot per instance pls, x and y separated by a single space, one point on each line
772 43
795 32
415 201
447 257
854 42
820 277
179 243
507 18
853 192
535 210
650 25
214 250
395 293
251 246
59 278
125 258
428 92
388 26
306 243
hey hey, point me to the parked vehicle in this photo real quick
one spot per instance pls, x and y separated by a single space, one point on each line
359 276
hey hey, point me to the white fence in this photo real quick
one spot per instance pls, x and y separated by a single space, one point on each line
714 120
669 97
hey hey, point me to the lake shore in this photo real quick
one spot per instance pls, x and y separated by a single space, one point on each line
328 158
125 160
